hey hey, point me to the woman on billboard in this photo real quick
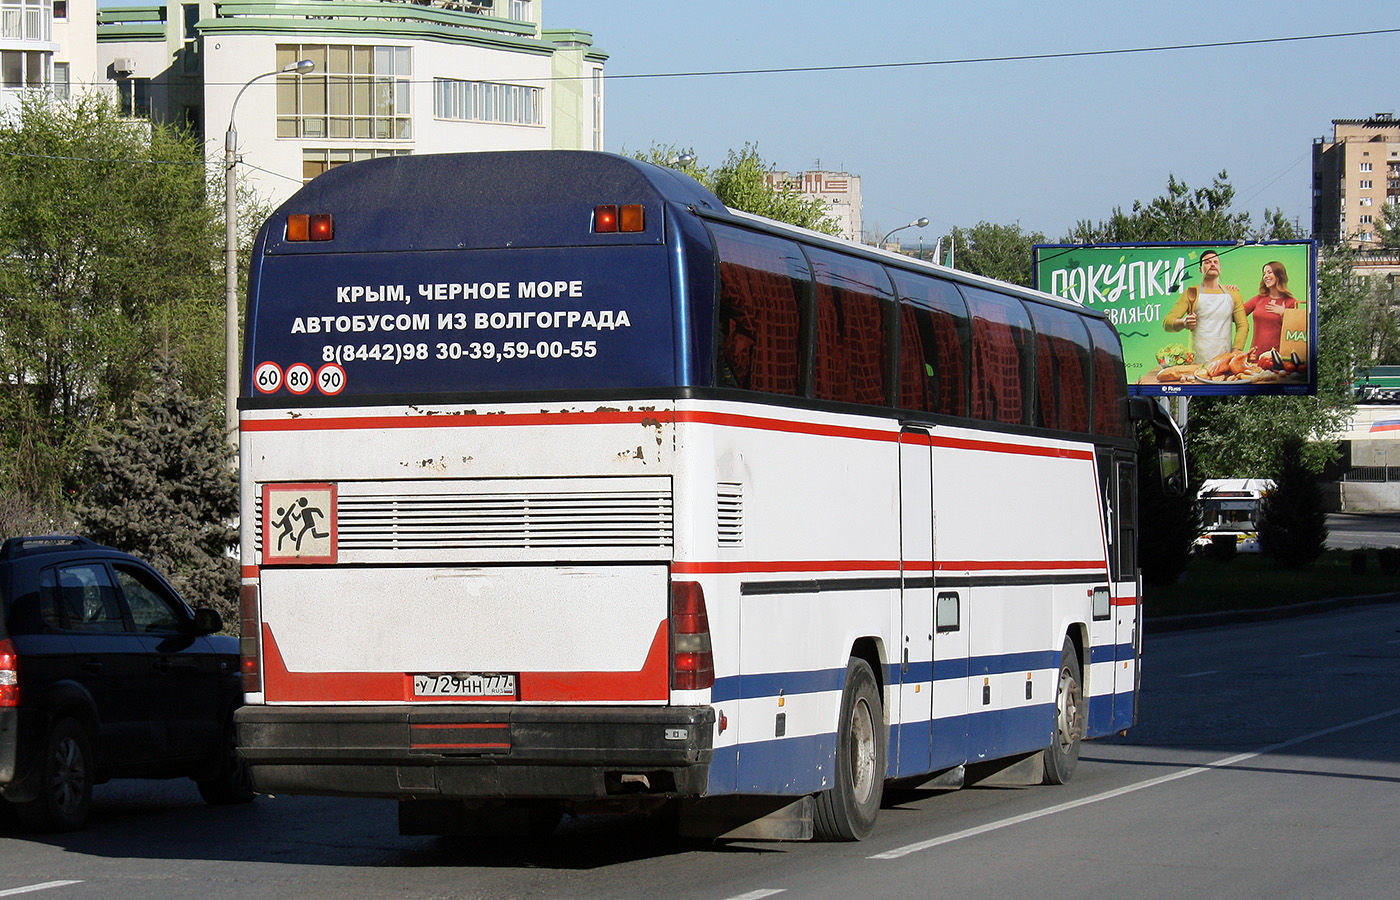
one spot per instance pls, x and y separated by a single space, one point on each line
1267 308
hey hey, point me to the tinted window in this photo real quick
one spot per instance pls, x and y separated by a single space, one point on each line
87 599
854 302
762 283
1062 368
1001 357
152 608
1110 383
933 345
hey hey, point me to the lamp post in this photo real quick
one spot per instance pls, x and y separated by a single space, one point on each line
301 67
921 222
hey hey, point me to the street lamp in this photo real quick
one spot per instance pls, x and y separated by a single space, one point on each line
300 67
921 222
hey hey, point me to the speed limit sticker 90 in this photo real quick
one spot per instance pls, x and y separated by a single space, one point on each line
267 377
330 379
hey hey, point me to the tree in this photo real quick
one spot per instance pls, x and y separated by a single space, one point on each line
1291 521
996 251
1388 226
741 183
163 488
109 255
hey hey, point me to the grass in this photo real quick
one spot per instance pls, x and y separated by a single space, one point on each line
1253 581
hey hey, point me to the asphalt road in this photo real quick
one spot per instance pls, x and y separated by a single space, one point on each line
1351 531
1265 764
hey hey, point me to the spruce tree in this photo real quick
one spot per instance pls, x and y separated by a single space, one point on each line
1291 520
163 488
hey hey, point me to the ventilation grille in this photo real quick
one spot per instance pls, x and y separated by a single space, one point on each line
551 515
730 509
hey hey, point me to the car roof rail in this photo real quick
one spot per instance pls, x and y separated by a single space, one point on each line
44 543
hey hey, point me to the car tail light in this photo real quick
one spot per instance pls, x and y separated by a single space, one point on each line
250 657
692 658
9 674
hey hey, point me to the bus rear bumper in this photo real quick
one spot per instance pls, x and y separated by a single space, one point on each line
478 751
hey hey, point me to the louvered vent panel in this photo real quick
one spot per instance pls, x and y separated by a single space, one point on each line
730 508
501 519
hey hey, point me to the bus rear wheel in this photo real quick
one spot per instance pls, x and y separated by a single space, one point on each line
846 811
1062 756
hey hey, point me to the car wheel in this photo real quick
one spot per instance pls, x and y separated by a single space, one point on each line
65 789
232 783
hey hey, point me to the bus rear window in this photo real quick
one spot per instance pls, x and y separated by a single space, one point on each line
1110 383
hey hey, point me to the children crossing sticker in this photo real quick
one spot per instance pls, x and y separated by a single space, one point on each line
300 524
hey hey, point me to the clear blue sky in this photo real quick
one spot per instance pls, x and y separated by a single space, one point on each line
1041 143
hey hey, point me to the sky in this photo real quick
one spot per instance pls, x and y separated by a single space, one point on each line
1039 143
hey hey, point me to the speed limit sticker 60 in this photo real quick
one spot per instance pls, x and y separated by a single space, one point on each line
267 377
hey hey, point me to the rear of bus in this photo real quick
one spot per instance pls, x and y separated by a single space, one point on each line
457 476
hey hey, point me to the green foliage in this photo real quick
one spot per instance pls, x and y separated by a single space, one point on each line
1002 252
1291 520
1184 214
1388 226
741 183
109 255
163 488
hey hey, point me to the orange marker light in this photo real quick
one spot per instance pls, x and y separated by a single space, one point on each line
633 218
298 227
604 219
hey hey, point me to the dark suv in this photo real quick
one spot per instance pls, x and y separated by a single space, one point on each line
106 673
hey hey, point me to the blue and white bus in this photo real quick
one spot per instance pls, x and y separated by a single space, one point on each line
567 489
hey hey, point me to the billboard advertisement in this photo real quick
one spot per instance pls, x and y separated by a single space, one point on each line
1202 318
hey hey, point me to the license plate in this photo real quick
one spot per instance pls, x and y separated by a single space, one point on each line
466 684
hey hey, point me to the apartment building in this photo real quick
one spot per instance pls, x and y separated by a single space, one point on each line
1354 175
388 77
839 190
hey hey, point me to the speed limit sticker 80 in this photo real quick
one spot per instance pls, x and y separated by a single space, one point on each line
268 378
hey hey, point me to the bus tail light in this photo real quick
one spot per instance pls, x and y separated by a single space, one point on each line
9 674
250 656
611 218
692 659
303 227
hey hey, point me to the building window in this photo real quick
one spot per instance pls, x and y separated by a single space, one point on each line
520 10
23 69
1366 184
62 81
355 92
483 101
1365 220
190 50
134 97
1365 167
26 20
1364 201
317 161
60 10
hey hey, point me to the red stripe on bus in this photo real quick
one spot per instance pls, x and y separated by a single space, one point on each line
413 746
651 682
643 417
768 567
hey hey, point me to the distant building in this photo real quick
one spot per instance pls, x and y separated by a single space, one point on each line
839 190
1354 175
391 77
47 45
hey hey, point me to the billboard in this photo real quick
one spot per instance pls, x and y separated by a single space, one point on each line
1202 318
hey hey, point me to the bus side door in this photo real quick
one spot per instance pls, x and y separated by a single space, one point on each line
911 743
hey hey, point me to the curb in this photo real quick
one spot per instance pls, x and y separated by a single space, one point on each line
1241 616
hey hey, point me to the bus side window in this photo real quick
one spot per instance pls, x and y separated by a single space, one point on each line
1002 378
762 282
1062 369
853 297
934 336
1110 385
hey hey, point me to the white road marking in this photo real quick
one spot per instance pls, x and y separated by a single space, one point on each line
10 892
759 894
1201 674
1314 655
1228 761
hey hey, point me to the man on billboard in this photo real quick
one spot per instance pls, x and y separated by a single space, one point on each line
1213 313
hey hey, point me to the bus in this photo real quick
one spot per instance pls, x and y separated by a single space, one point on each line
568 490
1229 507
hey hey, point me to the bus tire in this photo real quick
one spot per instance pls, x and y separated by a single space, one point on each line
1071 712
847 810
66 776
